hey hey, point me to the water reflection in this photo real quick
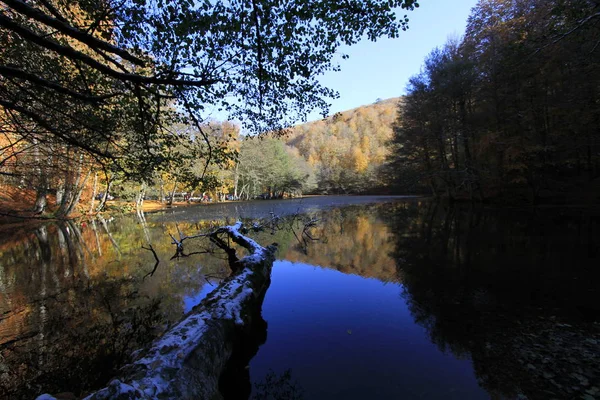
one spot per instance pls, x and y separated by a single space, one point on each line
74 304
513 291
516 291
347 337
456 297
352 240
278 387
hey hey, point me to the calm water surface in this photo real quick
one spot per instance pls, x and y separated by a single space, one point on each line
349 337
398 298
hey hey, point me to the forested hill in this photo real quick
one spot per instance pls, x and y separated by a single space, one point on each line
347 149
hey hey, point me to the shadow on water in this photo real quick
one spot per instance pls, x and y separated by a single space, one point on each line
234 382
516 291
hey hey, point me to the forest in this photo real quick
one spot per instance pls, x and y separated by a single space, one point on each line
347 150
509 111
93 110
103 99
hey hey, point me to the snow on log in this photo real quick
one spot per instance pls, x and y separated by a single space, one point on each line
187 361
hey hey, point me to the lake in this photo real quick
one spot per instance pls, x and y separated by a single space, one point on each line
395 297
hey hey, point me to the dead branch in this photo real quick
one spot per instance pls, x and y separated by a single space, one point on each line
272 223
305 235
151 273
179 250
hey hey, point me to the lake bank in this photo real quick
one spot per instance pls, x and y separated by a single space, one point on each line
15 212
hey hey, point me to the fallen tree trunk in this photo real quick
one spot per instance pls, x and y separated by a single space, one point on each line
189 359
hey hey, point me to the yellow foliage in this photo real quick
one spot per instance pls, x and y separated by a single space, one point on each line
359 159
351 139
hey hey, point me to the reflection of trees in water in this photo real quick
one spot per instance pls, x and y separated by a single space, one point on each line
58 319
352 240
103 322
513 291
76 306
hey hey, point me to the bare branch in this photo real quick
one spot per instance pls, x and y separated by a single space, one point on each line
563 36
151 273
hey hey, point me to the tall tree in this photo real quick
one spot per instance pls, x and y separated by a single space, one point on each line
511 106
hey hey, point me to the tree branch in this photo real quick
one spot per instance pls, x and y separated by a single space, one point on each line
258 51
72 54
44 124
68 30
150 248
20 74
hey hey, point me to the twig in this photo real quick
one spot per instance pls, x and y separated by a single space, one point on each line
151 273
182 254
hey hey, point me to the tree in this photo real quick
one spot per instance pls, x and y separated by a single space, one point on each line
109 79
266 166
510 108
257 60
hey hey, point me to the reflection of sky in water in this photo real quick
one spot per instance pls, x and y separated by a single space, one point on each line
344 336
191 301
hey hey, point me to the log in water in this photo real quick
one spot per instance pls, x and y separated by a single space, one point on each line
189 359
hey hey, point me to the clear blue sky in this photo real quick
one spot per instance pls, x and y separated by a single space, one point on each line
381 69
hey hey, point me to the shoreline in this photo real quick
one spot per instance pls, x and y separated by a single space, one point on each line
16 217
11 215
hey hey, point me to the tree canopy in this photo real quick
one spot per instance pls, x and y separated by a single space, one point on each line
102 83
69 67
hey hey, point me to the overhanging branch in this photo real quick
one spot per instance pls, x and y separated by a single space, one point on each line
75 55
20 74
68 30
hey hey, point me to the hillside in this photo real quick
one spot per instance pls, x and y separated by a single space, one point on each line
347 149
